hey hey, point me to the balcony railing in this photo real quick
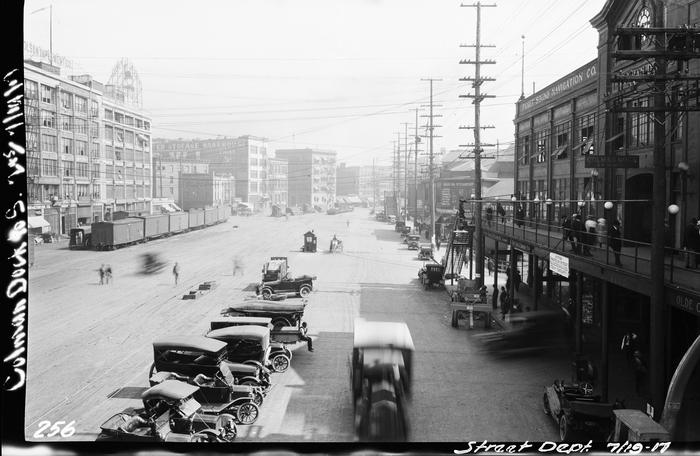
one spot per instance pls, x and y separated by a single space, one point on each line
635 256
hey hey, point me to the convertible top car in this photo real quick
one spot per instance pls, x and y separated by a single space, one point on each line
169 414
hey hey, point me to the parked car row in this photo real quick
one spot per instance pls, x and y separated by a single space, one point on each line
126 229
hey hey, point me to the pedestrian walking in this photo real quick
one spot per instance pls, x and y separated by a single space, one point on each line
309 343
520 215
577 229
237 266
501 212
566 229
615 241
494 297
589 235
108 274
504 302
692 243
347 224
176 272
101 271
437 242
489 266
517 280
489 215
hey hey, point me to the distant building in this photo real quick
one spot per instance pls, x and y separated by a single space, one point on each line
348 180
375 180
312 176
277 181
166 174
199 190
88 150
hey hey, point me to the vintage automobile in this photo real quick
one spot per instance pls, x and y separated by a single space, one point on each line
220 393
392 220
579 413
399 225
193 355
527 332
80 238
281 313
275 269
265 322
170 413
413 241
250 344
431 274
381 379
425 252
152 263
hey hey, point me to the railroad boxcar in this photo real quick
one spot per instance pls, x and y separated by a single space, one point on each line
155 226
179 222
117 233
196 217
210 216
225 211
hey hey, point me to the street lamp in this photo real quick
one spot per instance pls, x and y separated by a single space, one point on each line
673 209
608 205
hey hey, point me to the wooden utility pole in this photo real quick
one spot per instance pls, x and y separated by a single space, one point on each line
415 168
477 80
405 171
431 135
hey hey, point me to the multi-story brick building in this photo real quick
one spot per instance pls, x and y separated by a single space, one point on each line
88 151
348 180
312 177
277 181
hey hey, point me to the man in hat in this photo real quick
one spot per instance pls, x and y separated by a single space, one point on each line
692 242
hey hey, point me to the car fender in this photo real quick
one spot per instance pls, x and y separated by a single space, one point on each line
254 363
251 378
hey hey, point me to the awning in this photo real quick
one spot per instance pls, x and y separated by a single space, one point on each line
38 222
560 150
586 146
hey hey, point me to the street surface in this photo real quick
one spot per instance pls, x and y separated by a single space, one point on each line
87 340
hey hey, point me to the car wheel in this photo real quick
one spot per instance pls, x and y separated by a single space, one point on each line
304 291
226 427
564 428
267 293
247 413
279 322
280 363
545 404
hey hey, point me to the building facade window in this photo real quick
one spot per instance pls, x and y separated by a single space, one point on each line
49 167
48 119
94 108
541 144
65 123
524 150
68 168
641 128
48 94
119 135
109 114
66 146
586 134
49 143
95 150
32 141
81 169
118 153
109 152
66 100
561 134
81 104
96 171
109 133
118 117
129 138
80 147
31 90
80 126
83 190
94 130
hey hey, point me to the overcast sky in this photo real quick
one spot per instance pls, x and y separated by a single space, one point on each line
332 74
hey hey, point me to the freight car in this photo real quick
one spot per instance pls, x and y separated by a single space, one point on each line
178 222
117 233
196 217
155 226
210 216
222 213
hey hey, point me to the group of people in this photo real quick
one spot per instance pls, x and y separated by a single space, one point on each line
105 272
692 243
582 235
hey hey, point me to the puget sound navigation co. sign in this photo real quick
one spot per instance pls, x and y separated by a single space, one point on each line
571 82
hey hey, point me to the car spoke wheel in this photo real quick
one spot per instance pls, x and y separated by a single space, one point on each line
280 363
267 294
226 427
247 413
304 291
564 430
545 404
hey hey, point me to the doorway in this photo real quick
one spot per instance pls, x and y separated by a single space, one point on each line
637 223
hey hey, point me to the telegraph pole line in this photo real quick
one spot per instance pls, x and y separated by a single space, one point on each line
478 97
415 168
405 170
431 135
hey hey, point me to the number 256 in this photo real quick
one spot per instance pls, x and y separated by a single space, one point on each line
57 428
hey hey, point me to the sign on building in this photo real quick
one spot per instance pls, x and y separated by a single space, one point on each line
612 161
559 264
